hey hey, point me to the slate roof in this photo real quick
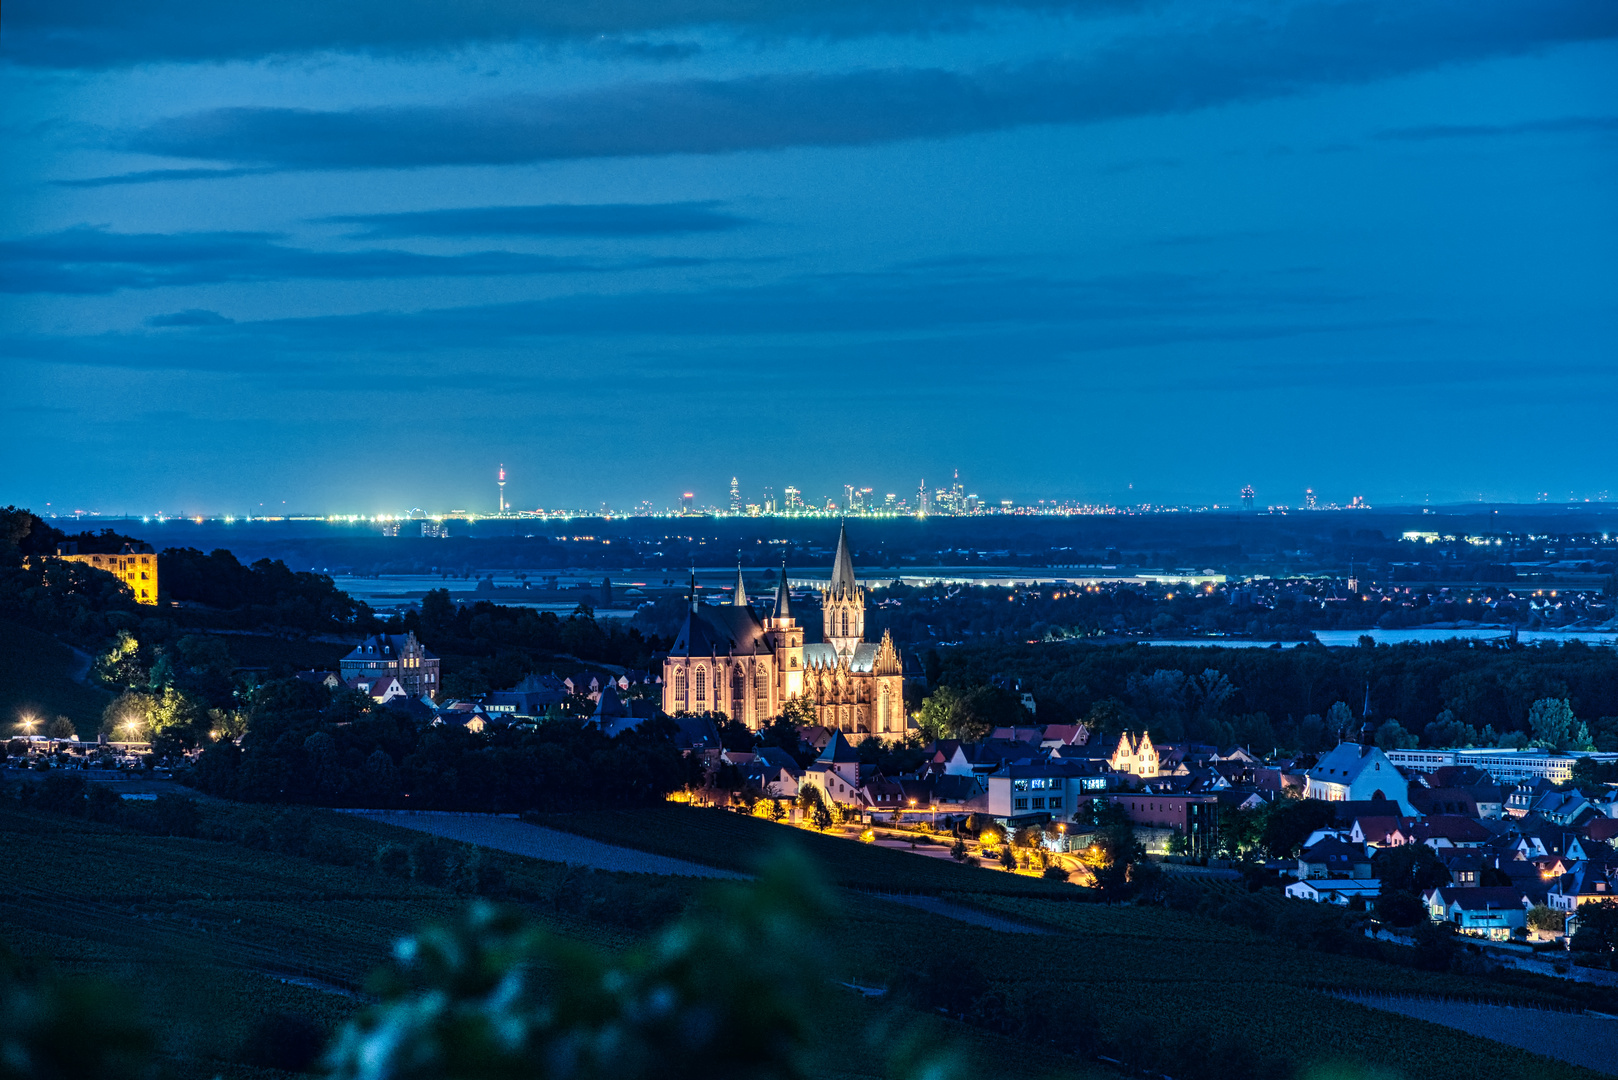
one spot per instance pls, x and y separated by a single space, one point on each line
721 631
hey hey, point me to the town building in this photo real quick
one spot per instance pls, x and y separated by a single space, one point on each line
727 659
135 565
1357 771
401 656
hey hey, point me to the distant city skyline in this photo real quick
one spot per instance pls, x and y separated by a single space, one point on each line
735 498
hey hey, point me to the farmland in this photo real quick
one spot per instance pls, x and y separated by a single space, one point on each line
209 928
209 925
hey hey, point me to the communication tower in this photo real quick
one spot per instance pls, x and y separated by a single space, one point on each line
502 483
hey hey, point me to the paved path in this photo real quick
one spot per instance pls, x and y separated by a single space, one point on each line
1580 1039
960 913
537 842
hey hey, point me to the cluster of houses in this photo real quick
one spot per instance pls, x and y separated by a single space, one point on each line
398 671
1508 848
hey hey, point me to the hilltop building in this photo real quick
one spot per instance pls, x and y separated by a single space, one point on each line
403 657
135 566
727 659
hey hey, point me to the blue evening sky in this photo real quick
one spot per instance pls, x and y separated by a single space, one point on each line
353 255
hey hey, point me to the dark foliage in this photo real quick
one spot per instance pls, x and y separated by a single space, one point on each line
305 745
264 594
1278 697
285 1041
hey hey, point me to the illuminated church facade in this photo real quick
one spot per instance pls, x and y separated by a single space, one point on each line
728 659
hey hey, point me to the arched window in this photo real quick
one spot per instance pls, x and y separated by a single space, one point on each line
679 687
845 624
738 692
702 688
761 692
882 711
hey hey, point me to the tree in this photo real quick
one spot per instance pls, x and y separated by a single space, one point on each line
1393 736
1546 920
1339 720
61 728
120 665
943 714
1287 823
1597 929
1555 727
735 736
1410 868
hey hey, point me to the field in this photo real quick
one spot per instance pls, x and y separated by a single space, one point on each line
1136 967
209 929
736 841
34 679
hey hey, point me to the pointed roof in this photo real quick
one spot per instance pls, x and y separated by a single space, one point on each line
838 750
693 588
739 597
783 607
842 571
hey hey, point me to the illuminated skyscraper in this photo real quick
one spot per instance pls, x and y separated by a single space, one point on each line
1247 497
735 497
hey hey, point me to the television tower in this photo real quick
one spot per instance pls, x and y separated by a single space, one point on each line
502 491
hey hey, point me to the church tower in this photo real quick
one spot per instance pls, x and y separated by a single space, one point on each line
843 604
785 637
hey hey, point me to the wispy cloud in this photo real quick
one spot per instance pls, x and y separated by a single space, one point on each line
556 219
96 260
190 317
876 311
100 33
1567 125
1253 58
158 176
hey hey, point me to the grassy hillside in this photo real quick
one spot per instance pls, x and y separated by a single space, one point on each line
1143 973
208 930
34 679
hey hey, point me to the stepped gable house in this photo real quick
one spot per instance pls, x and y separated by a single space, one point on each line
401 656
727 659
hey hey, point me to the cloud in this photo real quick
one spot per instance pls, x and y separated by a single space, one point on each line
94 260
1567 125
157 176
1239 60
1040 319
190 317
556 219
101 33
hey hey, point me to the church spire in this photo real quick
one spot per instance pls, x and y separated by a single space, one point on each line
842 573
739 597
783 608
693 590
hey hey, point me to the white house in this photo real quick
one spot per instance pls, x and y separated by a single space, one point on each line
1355 772
1334 890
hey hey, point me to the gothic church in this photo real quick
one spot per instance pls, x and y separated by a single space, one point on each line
727 659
